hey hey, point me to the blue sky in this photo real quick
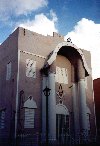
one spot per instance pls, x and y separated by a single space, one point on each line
78 19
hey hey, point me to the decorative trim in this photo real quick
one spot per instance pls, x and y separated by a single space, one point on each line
60 93
30 103
68 43
30 68
62 109
29 53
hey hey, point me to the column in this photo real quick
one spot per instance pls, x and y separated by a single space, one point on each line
75 106
82 102
52 107
44 83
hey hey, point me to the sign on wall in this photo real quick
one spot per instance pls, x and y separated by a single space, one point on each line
29 118
30 106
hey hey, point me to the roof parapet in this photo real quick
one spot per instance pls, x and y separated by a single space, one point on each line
55 34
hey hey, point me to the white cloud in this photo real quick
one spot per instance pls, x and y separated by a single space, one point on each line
86 35
42 24
19 7
53 15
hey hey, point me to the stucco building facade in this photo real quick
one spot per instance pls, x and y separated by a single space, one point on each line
30 62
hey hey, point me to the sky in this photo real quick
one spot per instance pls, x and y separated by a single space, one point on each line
77 19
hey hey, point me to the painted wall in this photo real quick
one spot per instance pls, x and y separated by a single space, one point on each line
8 53
37 48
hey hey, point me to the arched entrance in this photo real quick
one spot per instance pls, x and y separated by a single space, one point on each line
78 72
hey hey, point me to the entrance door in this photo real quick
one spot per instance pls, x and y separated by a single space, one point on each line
62 127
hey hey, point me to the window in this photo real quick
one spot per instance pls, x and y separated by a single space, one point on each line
8 73
61 75
2 119
29 118
30 68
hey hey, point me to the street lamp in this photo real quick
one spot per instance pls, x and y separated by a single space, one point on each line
46 92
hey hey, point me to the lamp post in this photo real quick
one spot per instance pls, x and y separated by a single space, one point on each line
46 92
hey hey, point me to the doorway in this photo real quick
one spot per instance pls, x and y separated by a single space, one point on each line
62 127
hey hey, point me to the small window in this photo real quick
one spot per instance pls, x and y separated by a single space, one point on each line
2 119
61 75
8 73
30 68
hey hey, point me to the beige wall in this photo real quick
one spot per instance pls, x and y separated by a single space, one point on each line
8 53
35 44
63 62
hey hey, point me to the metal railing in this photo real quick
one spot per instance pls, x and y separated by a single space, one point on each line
37 139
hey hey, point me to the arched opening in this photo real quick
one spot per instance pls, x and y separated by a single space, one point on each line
74 58
70 51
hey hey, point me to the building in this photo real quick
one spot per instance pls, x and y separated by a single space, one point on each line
96 86
46 92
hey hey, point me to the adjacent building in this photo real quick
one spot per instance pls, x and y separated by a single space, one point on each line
46 92
96 85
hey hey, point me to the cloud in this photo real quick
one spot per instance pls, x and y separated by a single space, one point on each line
86 35
19 7
53 15
42 24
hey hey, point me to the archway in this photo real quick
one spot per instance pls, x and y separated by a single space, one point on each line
80 69
52 56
